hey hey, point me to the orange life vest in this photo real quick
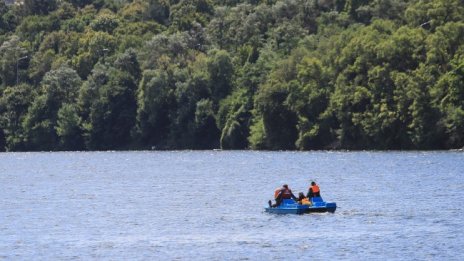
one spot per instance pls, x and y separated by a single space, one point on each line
286 193
276 192
315 188
305 201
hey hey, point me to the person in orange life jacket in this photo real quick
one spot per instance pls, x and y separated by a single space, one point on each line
283 193
276 194
313 190
302 200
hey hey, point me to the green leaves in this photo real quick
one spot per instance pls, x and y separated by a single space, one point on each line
39 7
68 128
155 101
290 74
110 109
105 22
14 104
13 55
220 69
46 124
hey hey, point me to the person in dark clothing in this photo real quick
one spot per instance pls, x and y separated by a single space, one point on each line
285 193
313 190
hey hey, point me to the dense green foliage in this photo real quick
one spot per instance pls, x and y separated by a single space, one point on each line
231 74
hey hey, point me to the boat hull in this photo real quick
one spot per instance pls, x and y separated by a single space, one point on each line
289 206
285 211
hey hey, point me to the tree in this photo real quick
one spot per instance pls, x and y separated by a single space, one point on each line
220 69
41 63
261 74
309 97
14 104
423 127
278 121
186 13
68 128
206 131
128 62
188 93
11 60
159 10
112 111
4 26
33 28
81 3
433 13
155 103
448 96
233 118
163 49
39 7
351 7
58 87
93 46
105 22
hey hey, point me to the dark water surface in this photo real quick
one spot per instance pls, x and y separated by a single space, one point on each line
209 206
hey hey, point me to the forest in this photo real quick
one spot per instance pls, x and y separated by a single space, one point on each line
231 74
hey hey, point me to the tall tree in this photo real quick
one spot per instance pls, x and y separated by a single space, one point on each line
58 87
112 111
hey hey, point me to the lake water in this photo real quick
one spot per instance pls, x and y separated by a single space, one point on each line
209 205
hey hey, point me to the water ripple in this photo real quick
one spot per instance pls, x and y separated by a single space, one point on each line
209 206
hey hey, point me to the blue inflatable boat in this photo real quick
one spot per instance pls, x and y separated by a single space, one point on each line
290 206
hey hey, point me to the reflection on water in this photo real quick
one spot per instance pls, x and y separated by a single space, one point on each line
210 205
